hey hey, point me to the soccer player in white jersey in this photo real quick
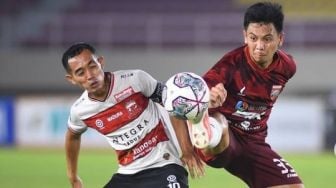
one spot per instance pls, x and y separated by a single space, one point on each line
124 106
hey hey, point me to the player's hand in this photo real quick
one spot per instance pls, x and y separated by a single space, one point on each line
218 96
76 182
194 164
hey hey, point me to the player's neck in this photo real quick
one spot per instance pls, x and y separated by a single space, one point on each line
263 65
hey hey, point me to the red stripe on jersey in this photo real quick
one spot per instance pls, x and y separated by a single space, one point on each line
145 146
119 114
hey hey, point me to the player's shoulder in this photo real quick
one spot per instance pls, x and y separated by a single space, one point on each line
287 58
79 103
80 100
233 56
287 63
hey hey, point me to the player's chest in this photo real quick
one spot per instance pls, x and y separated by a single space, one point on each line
256 86
117 114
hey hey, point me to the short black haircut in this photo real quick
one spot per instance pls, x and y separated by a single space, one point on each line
73 51
266 12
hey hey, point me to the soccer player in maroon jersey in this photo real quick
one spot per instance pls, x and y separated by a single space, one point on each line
124 106
244 86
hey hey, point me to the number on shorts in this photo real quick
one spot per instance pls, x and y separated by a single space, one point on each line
174 185
286 167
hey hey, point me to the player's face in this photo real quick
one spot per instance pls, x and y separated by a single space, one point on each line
87 73
263 41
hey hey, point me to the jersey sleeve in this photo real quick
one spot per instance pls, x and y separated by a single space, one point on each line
219 73
292 68
157 95
146 83
75 124
289 65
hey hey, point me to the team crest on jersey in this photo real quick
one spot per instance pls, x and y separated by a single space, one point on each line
124 94
276 89
132 108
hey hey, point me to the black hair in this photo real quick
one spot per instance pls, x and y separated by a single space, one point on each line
73 51
265 12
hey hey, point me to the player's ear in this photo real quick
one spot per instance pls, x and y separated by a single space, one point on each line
281 37
70 79
101 61
245 36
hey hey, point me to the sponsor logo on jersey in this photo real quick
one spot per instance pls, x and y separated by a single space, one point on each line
241 92
118 115
241 106
245 124
115 116
172 182
143 146
244 106
276 89
99 123
171 178
148 145
130 136
127 75
249 115
131 105
249 111
124 94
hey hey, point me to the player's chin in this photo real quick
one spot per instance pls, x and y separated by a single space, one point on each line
92 89
258 58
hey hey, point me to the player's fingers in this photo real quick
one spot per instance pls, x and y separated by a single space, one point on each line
218 91
220 86
194 171
217 97
199 167
219 94
223 96
195 167
190 169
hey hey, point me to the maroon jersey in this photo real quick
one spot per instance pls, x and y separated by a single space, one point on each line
252 91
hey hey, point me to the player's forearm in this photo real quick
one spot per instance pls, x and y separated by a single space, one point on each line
72 147
182 134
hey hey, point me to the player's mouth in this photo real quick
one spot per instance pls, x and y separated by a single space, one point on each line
94 84
259 54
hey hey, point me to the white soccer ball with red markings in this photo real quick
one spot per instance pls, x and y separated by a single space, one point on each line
186 96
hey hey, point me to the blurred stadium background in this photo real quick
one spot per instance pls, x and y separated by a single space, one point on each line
161 37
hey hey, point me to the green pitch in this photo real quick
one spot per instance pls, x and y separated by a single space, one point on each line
40 168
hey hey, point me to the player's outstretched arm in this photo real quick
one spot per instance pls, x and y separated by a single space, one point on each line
189 157
72 147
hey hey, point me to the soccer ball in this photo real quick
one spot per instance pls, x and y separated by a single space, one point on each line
186 96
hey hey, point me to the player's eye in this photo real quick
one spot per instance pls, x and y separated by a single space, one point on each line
93 65
268 39
79 73
253 38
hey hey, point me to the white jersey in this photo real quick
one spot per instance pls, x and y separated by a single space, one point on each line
136 127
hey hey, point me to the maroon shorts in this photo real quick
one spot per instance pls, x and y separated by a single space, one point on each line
253 161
